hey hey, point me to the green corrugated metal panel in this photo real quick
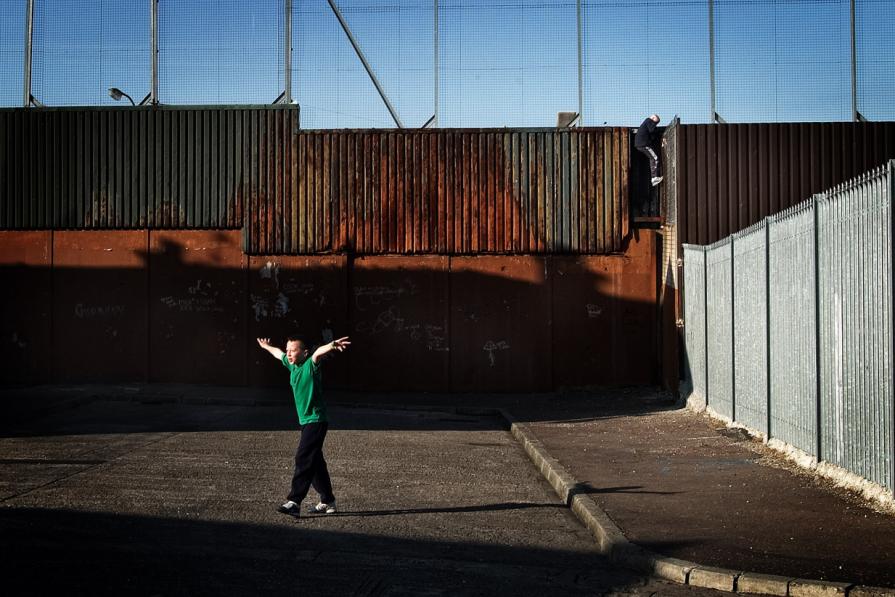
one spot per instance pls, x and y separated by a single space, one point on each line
120 168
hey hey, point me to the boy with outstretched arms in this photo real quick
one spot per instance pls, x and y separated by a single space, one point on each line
304 377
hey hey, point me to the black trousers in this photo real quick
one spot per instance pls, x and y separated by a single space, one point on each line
310 466
653 160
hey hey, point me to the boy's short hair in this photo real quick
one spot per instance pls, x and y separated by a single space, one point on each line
298 338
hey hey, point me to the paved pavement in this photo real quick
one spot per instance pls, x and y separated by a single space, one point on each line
156 492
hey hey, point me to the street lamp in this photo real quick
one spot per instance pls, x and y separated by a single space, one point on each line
116 94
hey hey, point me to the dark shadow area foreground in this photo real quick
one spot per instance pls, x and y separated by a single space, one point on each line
81 553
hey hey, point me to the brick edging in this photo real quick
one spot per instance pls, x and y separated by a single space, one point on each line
612 542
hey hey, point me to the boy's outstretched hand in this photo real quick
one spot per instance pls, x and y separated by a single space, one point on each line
341 344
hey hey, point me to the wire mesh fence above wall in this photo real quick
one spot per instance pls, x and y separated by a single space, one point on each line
467 63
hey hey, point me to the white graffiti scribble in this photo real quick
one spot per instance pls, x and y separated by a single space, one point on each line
270 307
271 271
593 311
83 311
432 336
491 347
367 296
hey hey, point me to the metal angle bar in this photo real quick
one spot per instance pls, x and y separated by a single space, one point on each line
714 113
366 64
153 58
29 36
580 76
287 51
767 329
435 117
733 348
856 117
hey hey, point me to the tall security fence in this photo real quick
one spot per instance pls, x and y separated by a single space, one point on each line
461 63
789 326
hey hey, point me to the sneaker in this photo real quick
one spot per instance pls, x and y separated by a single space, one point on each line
656 180
322 508
290 508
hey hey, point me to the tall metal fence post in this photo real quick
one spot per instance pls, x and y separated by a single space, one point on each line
714 114
153 44
580 69
29 37
435 43
818 439
854 66
287 50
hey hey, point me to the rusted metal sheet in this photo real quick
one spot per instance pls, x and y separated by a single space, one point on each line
447 192
99 305
197 307
500 329
25 307
296 295
147 167
398 307
604 317
730 176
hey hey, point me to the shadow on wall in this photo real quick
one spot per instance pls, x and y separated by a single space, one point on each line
185 306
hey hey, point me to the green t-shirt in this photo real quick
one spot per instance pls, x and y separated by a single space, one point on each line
307 389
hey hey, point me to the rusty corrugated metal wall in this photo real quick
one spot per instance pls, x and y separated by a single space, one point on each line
730 176
510 191
443 192
120 168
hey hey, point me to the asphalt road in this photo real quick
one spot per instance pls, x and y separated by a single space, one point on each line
172 499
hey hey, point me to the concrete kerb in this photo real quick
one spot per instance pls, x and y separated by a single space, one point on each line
613 543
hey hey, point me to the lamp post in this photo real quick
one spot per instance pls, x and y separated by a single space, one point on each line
116 94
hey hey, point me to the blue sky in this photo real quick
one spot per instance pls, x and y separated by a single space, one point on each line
501 62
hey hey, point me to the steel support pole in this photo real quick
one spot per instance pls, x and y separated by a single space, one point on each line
580 71
287 51
714 114
435 9
856 115
29 36
153 32
366 64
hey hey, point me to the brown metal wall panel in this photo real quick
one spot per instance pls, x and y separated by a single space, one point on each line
398 308
732 176
25 307
296 295
500 328
99 304
604 316
197 307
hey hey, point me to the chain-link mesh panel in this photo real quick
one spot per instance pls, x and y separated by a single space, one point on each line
396 37
505 64
81 48
643 57
220 51
12 52
783 60
874 23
